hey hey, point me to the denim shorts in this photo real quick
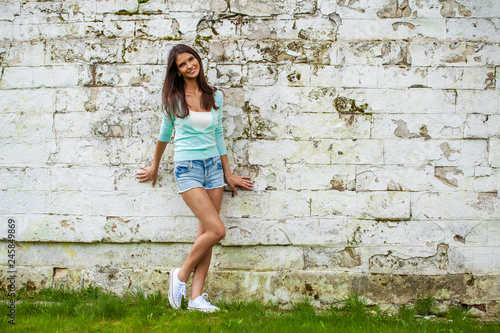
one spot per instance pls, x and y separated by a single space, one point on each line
199 173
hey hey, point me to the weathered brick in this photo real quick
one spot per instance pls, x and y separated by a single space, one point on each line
193 6
158 27
356 152
26 127
114 26
478 101
270 151
80 10
286 204
463 54
284 232
472 8
60 31
34 153
30 101
70 99
374 53
393 178
473 29
87 51
320 177
44 12
24 202
410 260
231 51
353 76
494 152
102 151
25 178
247 231
397 77
82 179
454 205
124 99
117 75
475 259
115 6
433 126
85 255
156 201
9 10
258 258
227 75
311 126
425 177
464 233
421 100
92 124
333 203
332 258
25 54
59 228
245 204
383 233
390 29
38 77
264 8
383 205
262 75
438 152
92 203
375 100
152 75
297 75
482 126
142 51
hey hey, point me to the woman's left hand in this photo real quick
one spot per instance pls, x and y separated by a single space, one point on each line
242 181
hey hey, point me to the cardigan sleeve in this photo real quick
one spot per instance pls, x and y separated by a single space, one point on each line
167 127
219 131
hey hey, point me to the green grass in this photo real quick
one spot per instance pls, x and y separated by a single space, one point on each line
93 310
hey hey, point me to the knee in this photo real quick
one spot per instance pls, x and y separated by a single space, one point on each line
220 234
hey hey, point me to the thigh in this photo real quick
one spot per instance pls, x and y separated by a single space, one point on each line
200 203
216 198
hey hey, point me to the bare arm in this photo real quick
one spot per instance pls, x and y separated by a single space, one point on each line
151 173
234 180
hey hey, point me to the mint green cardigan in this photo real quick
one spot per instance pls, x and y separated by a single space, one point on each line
192 144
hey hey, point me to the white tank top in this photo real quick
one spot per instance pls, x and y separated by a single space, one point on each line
200 120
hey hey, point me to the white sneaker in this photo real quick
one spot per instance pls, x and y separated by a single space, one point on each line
201 304
177 290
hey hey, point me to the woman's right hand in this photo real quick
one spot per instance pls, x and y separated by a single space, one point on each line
147 174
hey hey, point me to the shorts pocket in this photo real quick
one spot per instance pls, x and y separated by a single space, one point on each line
182 167
218 162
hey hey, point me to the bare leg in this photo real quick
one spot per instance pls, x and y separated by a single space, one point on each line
201 270
203 208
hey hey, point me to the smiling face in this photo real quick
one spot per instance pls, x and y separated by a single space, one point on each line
187 65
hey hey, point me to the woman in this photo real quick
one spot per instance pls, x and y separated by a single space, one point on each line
200 164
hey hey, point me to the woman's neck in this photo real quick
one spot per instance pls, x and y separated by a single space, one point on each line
191 86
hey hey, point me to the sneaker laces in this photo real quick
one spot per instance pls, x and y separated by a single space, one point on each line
181 287
205 301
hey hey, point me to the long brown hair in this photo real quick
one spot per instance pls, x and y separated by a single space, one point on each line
173 95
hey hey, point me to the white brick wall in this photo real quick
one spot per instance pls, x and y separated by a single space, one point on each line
371 129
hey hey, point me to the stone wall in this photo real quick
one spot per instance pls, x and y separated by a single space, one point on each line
371 129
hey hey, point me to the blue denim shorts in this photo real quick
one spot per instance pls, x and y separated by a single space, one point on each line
199 173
